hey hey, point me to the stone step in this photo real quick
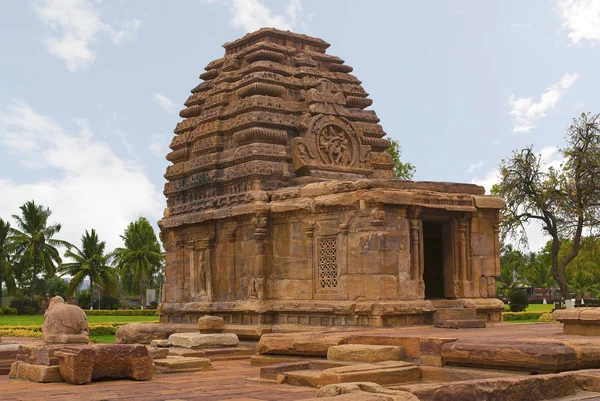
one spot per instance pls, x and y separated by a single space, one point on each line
443 314
310 378
182 364
364 353
200 340
327 364
384 373
461 324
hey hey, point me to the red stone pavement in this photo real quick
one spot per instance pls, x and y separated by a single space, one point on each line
231 380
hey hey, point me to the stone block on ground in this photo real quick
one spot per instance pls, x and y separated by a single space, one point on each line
186 352
158 353
181 365
442 314
211 324
306 344
143 333
8 355
200 340
45 354
35 373
461 324
365 390
160 343
381 373
122 361
274 373
76 364
364 353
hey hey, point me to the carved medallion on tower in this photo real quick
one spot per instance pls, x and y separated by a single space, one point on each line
328 141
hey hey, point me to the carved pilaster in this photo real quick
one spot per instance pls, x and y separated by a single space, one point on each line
462 249
496 228
415 249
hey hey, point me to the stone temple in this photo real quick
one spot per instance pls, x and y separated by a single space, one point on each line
282 209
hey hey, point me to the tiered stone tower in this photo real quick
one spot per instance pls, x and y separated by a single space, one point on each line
281 207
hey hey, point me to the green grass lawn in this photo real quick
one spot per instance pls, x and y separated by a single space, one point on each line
38 320
534 308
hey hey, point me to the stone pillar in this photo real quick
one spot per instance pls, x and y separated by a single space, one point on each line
462 250
256 288
496 227
231 237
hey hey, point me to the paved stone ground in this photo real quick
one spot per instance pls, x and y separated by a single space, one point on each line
231 380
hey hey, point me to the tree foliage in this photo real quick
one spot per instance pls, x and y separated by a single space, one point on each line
90 261
402 170
34 246
6 268
140 261
564 199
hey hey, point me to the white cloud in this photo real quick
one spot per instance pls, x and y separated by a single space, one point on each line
251 15
79 23
164 102
88 185
525 111
475 167
581 18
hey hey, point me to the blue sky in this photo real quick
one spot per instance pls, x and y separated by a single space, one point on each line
90 90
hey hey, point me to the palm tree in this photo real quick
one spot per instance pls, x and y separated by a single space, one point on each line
90 261
581 282
34 246
539 275
6 271
141 258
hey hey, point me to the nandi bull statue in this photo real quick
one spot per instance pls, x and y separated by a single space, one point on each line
64 323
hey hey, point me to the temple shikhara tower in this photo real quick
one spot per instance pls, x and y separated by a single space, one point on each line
282 209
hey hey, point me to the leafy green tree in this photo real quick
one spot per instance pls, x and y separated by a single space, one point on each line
581 281
6 269
402 170
141 258
512 264
564 200
35 248
55 286
538 273
90 261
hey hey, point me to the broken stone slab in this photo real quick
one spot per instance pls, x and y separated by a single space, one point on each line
276 373
364 353
122 361
305 344
158 353
76 364
211 324
160 343
181 365
384 373
8 355
200 340
35 373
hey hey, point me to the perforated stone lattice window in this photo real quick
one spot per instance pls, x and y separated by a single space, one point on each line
328 268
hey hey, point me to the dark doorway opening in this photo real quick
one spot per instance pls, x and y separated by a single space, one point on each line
435 249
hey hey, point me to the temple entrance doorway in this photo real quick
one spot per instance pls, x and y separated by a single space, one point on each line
437 257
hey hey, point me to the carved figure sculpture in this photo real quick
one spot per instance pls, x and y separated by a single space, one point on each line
64 323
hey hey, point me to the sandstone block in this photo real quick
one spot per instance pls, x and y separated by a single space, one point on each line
186 352
381 373
200 340
160 343
364 353
76 364
211 324
462 324
122 361
271 373
158 353
35 373
143 333
310 344
8 355
180 365
442 314
365 390
64 323
45 354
